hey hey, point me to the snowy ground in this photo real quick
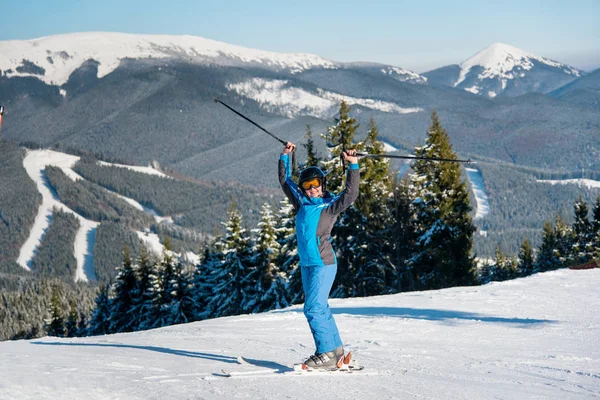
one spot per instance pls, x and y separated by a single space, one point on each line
532 338
589 183
83 249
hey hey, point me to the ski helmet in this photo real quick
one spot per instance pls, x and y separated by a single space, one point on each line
311 173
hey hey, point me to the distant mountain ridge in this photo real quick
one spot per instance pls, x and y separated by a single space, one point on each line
501 69
53 59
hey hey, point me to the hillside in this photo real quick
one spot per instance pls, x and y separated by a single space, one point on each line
527 338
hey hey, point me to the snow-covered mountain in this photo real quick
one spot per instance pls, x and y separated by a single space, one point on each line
150 97
53 59
501 69
530 338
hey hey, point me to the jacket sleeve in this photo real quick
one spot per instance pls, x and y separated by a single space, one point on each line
291 190
350 192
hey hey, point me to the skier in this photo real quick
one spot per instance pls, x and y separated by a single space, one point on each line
317 211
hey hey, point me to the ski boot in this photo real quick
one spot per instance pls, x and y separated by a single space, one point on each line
330 360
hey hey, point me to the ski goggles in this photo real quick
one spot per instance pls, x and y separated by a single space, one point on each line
313 183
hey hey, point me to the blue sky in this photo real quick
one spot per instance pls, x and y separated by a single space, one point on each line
419 35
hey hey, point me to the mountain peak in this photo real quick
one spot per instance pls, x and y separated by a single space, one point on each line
499 56
505 62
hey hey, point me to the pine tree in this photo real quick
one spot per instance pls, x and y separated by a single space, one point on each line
374 221
339 137
402 236
505 268
164 297
547 258
71 323
526 259
100 320
204 282
563 235
182 308
312 159
441 209
144 310
56 327
231 279
596 229
121 302
582 235
271 284
287 259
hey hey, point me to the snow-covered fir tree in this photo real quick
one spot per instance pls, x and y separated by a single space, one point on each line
287 259
312 159
340 136
563 236
204 280
505 268
271 285
231 279
71 328
442 256
596 229
121 301
526 258
375 273
547 257
56 324
402 236
99 323
182 307
144 310
583 235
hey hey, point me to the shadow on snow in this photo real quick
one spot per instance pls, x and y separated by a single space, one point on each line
428 315
184 353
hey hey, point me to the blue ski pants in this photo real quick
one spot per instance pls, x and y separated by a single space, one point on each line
317 282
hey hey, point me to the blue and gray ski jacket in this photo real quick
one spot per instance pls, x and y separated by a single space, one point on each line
316 216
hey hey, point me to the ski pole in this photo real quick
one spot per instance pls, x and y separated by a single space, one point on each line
217 100
416 158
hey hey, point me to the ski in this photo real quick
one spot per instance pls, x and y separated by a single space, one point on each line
345 365
230 374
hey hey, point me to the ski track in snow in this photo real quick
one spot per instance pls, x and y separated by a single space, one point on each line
152 241
481 198
530 338
35 162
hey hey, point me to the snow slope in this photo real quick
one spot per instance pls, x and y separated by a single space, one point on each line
35 162
277 96
532 338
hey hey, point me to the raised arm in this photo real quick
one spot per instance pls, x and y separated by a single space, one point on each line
350 192
291 190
